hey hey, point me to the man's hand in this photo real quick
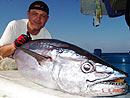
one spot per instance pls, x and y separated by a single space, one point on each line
22 40
7 50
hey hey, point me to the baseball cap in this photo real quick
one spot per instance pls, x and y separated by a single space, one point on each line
40 5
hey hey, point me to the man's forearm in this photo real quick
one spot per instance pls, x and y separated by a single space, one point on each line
7 50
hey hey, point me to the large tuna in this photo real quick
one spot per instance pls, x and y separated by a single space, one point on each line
68 68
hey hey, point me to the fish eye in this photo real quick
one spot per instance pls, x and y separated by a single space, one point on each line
87 67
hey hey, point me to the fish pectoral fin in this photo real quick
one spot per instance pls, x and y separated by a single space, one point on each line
37 56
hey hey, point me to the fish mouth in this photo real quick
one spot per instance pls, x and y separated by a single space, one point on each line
116 81
111 87
120 80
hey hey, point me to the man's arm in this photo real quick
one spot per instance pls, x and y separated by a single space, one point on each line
7 50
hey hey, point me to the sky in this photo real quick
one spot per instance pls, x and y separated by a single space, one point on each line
67 23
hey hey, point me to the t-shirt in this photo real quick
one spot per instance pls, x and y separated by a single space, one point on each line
17 27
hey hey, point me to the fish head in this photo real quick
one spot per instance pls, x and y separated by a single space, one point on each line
91 76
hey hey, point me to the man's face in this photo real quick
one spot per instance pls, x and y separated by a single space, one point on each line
37 19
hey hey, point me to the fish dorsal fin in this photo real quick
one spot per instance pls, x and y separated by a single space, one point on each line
37 56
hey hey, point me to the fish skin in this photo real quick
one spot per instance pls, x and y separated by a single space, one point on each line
68 68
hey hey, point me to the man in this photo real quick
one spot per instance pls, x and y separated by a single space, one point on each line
21 31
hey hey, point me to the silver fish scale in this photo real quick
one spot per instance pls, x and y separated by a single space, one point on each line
68 53
40 46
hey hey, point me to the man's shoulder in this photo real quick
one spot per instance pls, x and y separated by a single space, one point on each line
44 30
20 21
